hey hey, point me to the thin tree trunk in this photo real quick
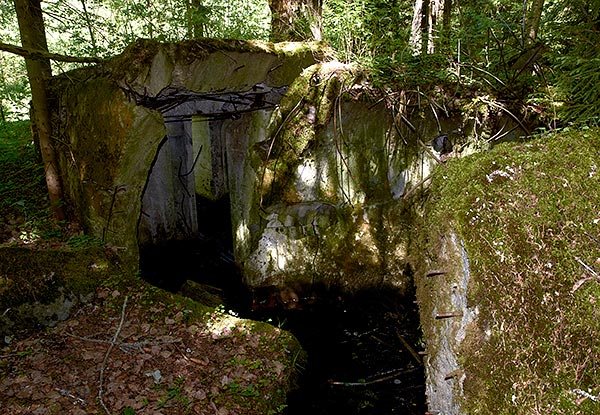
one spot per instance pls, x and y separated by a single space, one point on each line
296 20
429 16
416 28
434 15
2 115
33 36
534 17
447 16
90 28
194 19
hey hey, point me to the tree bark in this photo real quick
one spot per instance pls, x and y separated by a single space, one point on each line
534 17
429 16
195 12
416 29
434 15
296 20
33 36
40 54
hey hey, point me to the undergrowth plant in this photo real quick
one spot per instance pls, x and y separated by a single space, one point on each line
23 194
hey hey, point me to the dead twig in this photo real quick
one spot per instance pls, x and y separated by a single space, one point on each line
68 394
416 187
583 395
594 275
125 346
419 140
587 267
408 347
284 122
377 380
338 127
502 108
110 347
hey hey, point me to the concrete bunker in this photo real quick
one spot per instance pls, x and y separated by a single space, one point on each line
142 134
171 142
186 206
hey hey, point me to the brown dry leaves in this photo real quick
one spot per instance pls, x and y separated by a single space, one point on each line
160 364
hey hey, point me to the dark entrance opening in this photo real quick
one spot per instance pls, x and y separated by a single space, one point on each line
362 351
206 259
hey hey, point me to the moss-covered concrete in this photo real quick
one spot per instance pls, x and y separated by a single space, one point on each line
153 68
107 147
108 120
326 178
523 339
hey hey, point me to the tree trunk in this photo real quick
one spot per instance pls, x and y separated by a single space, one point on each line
88 21
532 25
296 20
428 17
416 29
33 36
195 15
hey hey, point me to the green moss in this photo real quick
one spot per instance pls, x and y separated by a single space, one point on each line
305 112
529 217
39 287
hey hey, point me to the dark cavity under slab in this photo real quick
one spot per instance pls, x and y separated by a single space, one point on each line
362 347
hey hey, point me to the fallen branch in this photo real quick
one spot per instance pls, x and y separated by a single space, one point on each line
40 54
125 346
408 347
103 367
377 380
416 187
502 108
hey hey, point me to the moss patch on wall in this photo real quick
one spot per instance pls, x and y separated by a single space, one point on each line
528 214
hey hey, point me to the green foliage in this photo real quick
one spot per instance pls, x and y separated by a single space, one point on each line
22 190
109 26
83 241
25 216
128 411
362 30
575 37
175 392
483 45
413 71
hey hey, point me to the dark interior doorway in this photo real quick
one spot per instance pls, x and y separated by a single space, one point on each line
206 259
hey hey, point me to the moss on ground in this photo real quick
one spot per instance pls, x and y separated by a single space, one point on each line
39 287
529 215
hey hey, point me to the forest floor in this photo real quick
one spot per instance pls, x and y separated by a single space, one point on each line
129 348
129 353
